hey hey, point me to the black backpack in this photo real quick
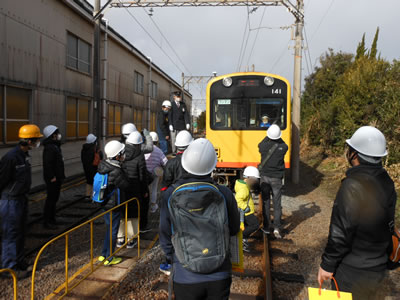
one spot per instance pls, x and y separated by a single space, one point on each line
200 231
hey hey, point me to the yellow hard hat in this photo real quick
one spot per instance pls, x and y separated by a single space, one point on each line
29 131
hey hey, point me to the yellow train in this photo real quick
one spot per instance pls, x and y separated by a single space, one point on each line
236 105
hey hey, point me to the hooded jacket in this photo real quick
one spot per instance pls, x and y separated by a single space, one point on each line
116 178
243 196
53 161
360 233
275 166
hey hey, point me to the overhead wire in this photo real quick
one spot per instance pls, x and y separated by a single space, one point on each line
243 38
281 55
307 51
247 40
322 20
255 39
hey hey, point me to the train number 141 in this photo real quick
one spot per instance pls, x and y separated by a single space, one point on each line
276 91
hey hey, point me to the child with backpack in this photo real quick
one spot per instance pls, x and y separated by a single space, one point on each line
248 221
108 183
206 219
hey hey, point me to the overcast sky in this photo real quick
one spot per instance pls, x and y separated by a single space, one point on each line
210 39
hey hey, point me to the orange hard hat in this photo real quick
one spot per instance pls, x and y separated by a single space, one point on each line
29 131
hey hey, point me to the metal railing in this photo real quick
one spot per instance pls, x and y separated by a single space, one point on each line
93 267
14 277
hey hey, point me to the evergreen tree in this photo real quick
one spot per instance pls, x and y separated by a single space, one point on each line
374 47
361 48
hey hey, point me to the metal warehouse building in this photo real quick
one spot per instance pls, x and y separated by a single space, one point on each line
46 74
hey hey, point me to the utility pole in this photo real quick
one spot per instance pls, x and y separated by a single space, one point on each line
150 92
96 73
295 165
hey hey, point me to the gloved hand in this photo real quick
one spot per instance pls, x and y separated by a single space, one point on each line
171 128
241 226
145 132
187 126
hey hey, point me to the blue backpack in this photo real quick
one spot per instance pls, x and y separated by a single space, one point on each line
101 192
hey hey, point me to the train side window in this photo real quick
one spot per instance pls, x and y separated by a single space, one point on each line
16 102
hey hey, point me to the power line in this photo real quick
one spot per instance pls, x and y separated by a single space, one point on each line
322 19
255 40
243 38
308 50
247 40
280 57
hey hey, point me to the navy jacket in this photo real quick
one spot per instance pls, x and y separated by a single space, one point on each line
181 275
178 117
53 161
15 174
162 125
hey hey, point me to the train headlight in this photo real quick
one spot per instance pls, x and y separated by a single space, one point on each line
269 81
227 81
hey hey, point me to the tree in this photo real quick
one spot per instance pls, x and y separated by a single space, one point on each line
201 121
361 48
374 46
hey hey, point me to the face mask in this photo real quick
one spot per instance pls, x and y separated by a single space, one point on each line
178 99
59 136
37 145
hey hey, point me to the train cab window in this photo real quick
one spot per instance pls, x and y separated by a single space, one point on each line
246 114
16 102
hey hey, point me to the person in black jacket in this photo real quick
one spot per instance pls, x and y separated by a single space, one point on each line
162 126
273 148
362 219
199 159
15 182
178 118
173 168
90 157
134 166
53 173
115 155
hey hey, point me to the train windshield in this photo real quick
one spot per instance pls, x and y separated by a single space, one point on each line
247 114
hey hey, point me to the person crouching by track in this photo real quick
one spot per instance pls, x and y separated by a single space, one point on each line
90 157
272 149
207 218
53 173
15 182
173 168
134 167
362 220
117 181
155 162
248 221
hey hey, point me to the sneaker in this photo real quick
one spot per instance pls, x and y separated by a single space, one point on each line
165 268
246 248
265 230
120 244
245 242
101 258
153 208
277 233
114 261
131 244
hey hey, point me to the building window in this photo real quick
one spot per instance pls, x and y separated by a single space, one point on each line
77 118
154 90
14 112
138 124
78 54
153 121
139 83
114 119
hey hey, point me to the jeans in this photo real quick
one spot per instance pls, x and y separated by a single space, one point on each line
213 290
13 215
116 217
53 193
164 146
363 284
270 185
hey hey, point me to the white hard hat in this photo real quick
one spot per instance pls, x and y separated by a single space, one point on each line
113 148
91 138
135 138
183 138
166 103
49 130
274 132
199 158
154 136
251 172
128 128
368 141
